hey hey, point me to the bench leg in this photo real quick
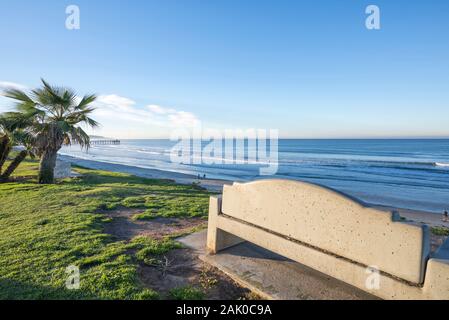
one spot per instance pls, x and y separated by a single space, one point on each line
217 239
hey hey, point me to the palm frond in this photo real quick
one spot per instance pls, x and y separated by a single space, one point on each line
78 136
86 101
17 95
10 121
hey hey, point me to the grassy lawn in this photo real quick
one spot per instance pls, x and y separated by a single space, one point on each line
46 228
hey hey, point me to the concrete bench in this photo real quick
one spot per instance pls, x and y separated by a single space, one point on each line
331 233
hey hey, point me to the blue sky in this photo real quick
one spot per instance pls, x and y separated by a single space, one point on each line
308 68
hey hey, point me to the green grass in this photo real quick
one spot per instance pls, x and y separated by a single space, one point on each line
150 250
440 231
186 293
46 228
173 205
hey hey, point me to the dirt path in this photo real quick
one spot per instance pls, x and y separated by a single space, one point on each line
179 267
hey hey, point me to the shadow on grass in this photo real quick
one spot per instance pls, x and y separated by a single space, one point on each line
16 290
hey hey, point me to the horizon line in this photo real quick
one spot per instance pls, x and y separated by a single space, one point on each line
299 138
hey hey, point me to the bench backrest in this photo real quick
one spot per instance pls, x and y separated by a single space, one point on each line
332 222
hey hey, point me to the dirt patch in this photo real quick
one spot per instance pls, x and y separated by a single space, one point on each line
125 228
179 267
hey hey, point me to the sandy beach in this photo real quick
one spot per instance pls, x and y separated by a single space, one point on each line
213 185
429 218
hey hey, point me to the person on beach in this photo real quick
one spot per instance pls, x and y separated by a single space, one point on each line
445 216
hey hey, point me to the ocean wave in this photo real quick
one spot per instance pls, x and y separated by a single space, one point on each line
442 164
347 162
150 152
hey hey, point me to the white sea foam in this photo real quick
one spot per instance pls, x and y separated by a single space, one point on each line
442 164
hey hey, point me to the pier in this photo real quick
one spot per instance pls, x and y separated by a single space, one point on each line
104 142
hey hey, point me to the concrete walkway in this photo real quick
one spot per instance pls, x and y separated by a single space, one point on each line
272 276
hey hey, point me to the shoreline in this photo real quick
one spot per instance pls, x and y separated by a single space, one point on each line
216 185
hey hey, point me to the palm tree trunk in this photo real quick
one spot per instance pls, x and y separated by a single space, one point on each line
13 165
47 166
5 148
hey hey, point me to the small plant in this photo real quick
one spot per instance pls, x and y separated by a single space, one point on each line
440 231
151 251
147 294
186 293
207 279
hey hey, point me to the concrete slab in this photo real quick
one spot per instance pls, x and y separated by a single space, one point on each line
273 276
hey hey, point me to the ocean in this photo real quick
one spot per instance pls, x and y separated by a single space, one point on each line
407 173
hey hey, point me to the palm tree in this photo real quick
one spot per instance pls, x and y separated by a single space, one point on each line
5 141
56 113
24 139
9 122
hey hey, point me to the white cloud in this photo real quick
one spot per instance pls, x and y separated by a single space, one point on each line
183 119
114 107
175 117
115 100
116 113
160 110
5 85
